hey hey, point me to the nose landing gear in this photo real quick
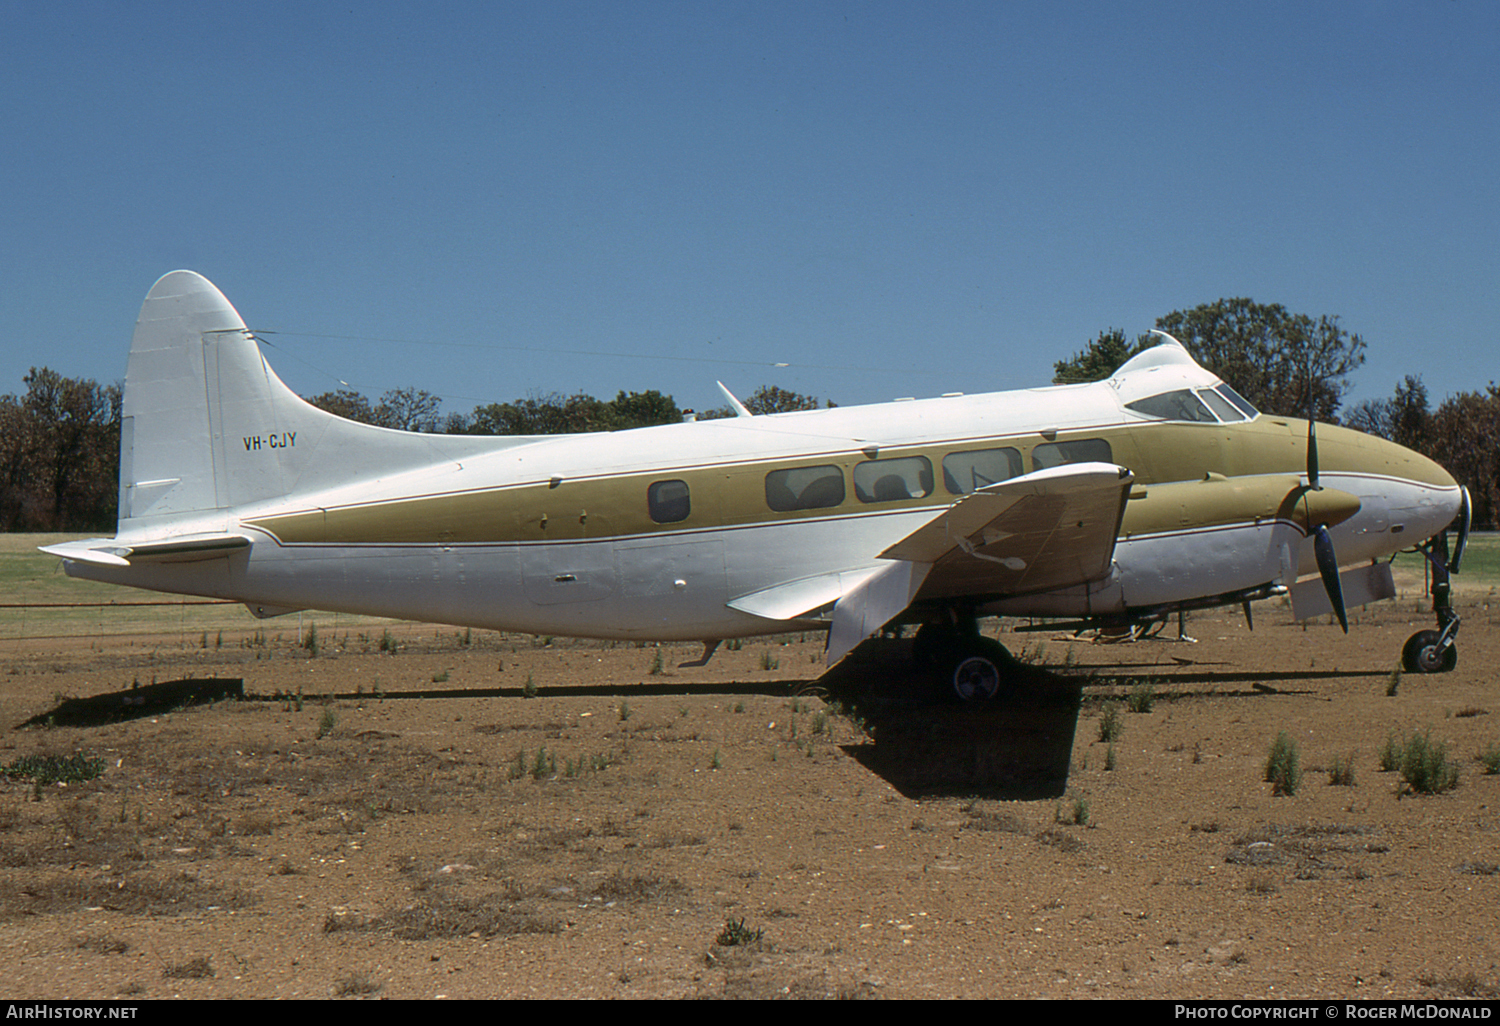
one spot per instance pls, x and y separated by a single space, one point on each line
1434 651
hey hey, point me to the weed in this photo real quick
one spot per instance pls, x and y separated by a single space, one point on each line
1109 722
529 689
1262 883
1341 773
326 722
1390 754
357 985
656 667
739 707
310 640
718 761
1072 813
820 723
769 661
624 711
1141 698
387 642
737 934
52 769
1109 758
544 765
1425 766
194 969
1283 766
441 677
1393 682
1490 758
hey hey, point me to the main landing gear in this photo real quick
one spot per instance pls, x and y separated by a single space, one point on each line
1434 651
973 668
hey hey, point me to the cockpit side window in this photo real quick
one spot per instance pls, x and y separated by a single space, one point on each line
1240 402
1221 406
1179 405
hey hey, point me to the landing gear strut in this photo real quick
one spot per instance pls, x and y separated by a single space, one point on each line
974 668
1434 651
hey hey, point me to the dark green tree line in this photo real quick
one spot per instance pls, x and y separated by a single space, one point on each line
59 454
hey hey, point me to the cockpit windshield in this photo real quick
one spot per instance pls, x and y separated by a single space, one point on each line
1204 405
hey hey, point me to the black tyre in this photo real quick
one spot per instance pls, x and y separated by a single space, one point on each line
1421 654
975 678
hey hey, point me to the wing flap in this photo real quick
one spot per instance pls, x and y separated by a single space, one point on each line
1050 529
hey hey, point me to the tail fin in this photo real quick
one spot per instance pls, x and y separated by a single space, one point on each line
207 425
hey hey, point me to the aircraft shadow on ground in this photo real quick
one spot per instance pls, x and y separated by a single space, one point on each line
1017 747
138 702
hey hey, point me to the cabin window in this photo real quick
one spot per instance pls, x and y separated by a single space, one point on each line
966 472
669 501
1240 402
1179 405
1222 407
804 488
893 480
1082 450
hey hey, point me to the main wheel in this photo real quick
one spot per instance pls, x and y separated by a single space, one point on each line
975 678
1421 654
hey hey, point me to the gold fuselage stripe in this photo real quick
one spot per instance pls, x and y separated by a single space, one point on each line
1187 476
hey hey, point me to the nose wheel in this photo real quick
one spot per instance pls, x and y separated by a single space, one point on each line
1434 651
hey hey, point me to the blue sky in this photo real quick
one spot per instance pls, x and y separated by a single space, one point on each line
890 198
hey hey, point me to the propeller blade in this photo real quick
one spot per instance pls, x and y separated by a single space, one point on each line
1312 455
1328 569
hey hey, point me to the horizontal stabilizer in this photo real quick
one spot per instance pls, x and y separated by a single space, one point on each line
113 552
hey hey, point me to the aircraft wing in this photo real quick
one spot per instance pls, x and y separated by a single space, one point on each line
1050 529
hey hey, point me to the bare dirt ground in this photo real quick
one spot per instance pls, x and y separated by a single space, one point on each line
498 817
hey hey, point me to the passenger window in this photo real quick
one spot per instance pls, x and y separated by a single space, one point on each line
669 501
804 488
965 472
1084 450
1179 405
893 480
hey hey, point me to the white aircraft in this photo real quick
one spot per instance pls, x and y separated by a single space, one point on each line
936 511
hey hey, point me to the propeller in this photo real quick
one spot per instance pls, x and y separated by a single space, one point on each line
1328 561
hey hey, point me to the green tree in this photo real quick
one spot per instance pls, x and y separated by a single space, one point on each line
1285 363
1101 358
775 399
60 456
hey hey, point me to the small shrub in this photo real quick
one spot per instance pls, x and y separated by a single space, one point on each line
1425 766
1109 722
195 969
1283 766
1341 773
1490 757
1073 813
1391 754
1141 698
737 934
53 769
